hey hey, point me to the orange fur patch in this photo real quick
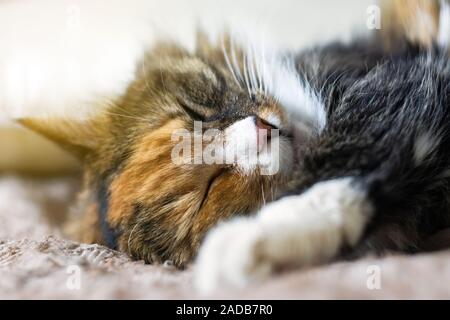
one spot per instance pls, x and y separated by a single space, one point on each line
414 20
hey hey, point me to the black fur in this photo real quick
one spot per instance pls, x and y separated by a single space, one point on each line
109 234
378 107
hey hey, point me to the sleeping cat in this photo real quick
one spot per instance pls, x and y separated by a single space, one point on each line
360 135
375 177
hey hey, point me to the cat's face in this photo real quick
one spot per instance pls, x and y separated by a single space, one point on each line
191 143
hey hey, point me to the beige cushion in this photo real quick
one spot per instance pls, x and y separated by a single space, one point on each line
23 151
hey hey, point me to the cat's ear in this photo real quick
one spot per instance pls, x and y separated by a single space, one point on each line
78 137
411 21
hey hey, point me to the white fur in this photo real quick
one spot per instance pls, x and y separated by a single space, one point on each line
443 38
274 120
241 145
272 73
296 230
295 95
424 146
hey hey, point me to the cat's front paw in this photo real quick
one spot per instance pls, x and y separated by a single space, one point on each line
294 231
231 256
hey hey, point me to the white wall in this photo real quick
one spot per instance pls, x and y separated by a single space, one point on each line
63 55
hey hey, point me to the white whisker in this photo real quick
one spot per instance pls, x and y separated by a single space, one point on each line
229 65
273 74
125 116
259 76
246 75
130 236
235 62
262 193
251 69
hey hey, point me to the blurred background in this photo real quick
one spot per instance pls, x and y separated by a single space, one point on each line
64 57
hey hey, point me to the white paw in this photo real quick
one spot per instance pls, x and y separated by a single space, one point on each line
229 256
296 230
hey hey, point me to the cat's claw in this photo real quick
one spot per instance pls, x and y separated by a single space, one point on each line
296 230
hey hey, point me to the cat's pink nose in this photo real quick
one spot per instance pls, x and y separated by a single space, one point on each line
263 131
262 124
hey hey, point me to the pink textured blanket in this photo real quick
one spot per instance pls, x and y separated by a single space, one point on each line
37 262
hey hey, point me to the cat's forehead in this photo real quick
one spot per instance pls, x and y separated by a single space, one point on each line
228 81
188 65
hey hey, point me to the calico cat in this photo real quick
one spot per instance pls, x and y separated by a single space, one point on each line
136 198
360 158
